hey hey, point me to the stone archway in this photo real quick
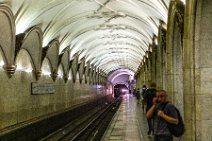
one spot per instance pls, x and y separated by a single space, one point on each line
174 52
174 55
177 67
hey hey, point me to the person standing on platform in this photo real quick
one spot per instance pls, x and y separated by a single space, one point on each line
138 96
148 98
142 96
161 114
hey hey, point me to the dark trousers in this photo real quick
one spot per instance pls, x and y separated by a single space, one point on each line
163 138
149 121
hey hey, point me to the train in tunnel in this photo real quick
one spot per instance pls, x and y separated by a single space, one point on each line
120 89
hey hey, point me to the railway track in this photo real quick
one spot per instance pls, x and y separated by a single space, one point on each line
88 127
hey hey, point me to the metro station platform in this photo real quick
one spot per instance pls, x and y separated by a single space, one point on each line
129 123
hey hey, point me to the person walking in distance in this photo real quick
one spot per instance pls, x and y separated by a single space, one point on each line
148 98
162 112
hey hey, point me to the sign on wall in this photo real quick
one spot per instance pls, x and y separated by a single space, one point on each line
42 88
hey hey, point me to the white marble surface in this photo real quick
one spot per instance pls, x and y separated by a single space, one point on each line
126 125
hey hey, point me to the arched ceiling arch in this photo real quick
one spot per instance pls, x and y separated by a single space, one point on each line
112 34
112 76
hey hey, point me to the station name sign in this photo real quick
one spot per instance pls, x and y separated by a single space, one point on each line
42 88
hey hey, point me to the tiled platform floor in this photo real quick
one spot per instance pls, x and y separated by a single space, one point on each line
129 123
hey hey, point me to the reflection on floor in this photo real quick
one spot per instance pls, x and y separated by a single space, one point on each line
129 123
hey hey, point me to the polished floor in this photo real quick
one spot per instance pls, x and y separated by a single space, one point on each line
129 123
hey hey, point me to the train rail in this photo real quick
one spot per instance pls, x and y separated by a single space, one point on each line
88 127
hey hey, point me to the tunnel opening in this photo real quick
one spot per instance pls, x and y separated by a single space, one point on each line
120 89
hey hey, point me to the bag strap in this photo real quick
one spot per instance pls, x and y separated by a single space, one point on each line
164 105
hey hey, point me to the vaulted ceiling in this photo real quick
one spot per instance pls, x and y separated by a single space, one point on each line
110 34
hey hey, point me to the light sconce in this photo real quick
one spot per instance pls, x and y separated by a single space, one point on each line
54 75
10 69
37 73
65 77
